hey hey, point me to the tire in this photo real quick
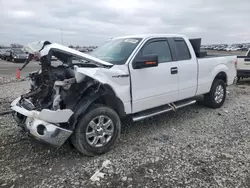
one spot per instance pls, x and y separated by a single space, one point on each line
83 143
210 99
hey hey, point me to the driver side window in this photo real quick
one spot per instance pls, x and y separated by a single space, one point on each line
160 48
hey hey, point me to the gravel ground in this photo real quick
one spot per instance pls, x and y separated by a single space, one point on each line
6 80
194 147
11 88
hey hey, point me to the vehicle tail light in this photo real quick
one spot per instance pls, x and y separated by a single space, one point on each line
235 63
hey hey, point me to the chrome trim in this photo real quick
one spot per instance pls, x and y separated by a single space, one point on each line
186 104
100 131
151 115
53 134
138 118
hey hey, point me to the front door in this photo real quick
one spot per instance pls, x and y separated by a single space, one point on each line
154 86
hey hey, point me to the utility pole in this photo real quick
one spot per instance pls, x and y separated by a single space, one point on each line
61 35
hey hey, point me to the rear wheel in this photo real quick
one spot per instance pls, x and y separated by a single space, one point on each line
97 130
217 95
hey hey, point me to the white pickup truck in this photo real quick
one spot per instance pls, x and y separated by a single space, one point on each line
83 97
243 66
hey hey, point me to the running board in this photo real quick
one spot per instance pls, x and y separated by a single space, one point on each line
160 110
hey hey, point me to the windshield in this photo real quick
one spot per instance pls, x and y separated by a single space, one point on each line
18 51
116 51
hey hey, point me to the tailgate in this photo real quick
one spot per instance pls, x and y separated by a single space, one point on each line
243 63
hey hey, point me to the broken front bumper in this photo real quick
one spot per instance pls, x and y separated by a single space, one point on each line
43 125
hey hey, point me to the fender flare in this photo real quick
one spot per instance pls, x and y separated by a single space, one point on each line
83 105
217 71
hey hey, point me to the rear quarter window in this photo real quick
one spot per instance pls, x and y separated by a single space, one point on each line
182 49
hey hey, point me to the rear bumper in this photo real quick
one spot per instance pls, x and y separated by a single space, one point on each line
243 73
43 125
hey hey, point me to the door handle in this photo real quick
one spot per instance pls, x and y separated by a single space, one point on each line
174 70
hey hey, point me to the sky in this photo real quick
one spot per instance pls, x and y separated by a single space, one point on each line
86 22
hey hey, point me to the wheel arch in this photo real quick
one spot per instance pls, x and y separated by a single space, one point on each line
105 96
218 75
110 99
222 76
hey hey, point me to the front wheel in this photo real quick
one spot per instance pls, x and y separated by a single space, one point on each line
217 95
96 131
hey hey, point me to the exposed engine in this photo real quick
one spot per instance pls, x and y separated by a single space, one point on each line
54 86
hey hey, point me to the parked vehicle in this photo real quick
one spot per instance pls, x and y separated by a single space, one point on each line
235 49
5 54
16 55
243 67
244 49
1 53
85 98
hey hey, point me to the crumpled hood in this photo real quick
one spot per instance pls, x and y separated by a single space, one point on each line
34 47
43 48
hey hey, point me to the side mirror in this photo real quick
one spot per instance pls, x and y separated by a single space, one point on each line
145 62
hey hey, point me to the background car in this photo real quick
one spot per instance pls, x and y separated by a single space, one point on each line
17 55
5 54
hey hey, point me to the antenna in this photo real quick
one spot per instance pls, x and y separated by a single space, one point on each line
61 35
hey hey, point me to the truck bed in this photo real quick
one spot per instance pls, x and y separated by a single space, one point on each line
208 69
196 44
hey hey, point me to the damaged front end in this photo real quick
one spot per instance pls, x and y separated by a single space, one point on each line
47 111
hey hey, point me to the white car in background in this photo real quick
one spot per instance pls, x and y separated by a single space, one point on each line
235 49
243 66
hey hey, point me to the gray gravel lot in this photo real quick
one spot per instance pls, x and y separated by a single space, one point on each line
194 147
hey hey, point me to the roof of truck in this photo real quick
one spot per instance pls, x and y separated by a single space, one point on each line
151 35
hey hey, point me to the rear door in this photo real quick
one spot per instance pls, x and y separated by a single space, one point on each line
154 86
187 67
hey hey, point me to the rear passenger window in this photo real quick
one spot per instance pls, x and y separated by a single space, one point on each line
182 50
160 48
